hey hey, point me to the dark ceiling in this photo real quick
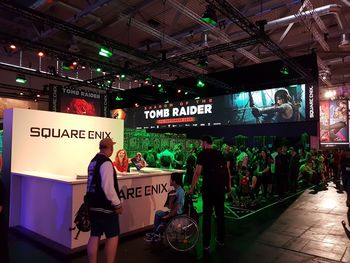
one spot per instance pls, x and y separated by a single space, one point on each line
165 40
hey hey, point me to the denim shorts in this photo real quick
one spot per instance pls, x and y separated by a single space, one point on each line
102 223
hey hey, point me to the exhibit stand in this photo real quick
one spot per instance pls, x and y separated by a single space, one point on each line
45 152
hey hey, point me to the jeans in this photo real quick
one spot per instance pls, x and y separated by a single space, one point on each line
158 219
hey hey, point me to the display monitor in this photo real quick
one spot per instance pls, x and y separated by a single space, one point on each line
295 103
334 128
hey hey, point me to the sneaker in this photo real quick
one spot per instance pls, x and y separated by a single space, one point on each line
156 238
148 239
149 235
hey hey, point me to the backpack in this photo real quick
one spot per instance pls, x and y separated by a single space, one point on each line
82 219
244 182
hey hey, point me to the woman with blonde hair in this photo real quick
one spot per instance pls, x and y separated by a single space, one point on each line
121 161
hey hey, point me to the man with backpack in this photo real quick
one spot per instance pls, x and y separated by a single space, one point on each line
104 203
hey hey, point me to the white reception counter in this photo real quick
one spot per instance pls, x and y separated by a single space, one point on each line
46 203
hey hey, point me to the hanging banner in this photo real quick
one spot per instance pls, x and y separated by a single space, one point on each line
334 128
294 103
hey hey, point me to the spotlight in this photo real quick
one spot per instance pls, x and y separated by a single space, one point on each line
104 52
202 61
137 105
122 76
160 85
21 93
209 16
179 91
40 54
12 46
284 70
38 95
98 69
21 79
200 83
72 65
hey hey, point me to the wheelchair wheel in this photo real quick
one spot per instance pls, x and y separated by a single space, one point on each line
182 233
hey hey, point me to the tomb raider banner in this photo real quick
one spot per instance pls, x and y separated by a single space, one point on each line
294 103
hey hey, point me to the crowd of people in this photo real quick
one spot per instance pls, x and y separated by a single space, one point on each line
259 172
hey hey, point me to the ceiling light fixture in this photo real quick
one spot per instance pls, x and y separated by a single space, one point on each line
21 79
200 83
284 70
209 15
203 61
104 52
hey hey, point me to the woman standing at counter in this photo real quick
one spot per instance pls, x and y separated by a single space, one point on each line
121 161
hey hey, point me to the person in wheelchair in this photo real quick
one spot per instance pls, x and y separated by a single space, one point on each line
175 204
245 187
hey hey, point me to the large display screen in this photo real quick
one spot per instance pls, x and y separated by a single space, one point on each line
78 101
294 103
334 128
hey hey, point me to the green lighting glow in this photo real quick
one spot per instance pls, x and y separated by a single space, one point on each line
284 71
99 69
200 83
160 85
209 21
104 52
119 98
21 79
122 76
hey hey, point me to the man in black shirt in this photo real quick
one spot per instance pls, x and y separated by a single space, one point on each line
216 181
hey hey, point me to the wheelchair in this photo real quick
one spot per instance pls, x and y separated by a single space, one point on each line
182 231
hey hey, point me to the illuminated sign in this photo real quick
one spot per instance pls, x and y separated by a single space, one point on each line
295 103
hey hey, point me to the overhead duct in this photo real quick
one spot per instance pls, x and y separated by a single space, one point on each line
346 2
320 11
323 10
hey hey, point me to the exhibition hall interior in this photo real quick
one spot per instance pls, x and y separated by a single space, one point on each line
220 131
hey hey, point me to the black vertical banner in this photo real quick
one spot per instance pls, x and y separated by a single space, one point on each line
54 101
312 102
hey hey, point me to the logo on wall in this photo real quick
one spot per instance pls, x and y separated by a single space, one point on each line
67 133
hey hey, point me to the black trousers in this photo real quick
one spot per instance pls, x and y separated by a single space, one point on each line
4 253
210 201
